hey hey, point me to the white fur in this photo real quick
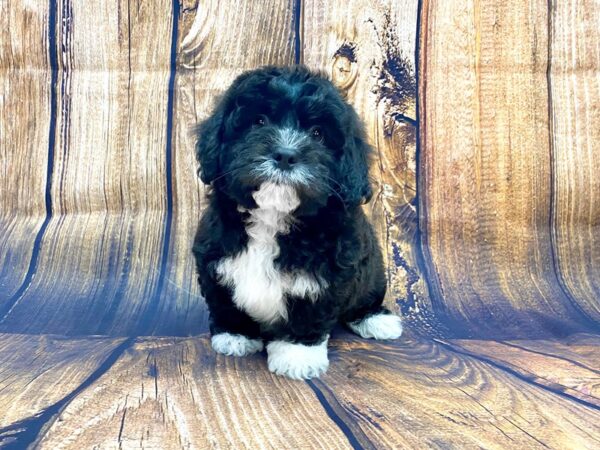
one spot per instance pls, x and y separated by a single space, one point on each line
297 361
259 288
299 175
378 326
303 285
291 138
235 344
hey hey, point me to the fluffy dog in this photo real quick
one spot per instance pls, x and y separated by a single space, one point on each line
284 250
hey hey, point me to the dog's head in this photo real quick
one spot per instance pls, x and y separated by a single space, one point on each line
286 126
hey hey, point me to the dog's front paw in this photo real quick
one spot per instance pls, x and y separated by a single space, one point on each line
297 361
235 344
378 326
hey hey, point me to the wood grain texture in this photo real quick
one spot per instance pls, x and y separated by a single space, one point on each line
167 393
97 275
111 139
174 392
38 371
486 168
126 197
582 348
574 79
24 107
367 47
418 394
538 360
101 257
25 103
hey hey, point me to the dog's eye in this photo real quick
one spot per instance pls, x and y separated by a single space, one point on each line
260 121
317 133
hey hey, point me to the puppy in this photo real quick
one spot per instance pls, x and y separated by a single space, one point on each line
284 250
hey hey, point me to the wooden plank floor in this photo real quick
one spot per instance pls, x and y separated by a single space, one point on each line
177 393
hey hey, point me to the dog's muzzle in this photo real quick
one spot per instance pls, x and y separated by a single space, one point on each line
285 158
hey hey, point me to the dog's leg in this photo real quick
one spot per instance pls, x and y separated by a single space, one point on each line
298 347
233 332
232 344
370 319
379 323
297 360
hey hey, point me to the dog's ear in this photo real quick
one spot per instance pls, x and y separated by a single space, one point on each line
208 145
354 167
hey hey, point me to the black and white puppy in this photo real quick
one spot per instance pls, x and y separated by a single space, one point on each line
284 250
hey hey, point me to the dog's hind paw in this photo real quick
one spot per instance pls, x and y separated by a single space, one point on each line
297 361
383 325
235 344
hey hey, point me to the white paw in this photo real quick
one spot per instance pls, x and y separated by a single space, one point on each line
298 361
378 326
235 344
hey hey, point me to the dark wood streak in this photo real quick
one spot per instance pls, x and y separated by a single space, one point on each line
333 409
553 355
298 41
29 431
8 304
422 239
151 318
555 388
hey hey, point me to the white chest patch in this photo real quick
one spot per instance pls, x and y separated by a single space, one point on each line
259 288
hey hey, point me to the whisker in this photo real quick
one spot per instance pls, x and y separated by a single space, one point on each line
227 173
299 176
335 181
253 170
334 192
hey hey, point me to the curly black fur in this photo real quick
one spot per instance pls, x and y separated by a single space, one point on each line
330 238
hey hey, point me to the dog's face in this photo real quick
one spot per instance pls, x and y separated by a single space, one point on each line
287 126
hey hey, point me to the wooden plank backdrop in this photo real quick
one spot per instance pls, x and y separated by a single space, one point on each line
494 191
484 115
26 85
574 91
362 46
120 203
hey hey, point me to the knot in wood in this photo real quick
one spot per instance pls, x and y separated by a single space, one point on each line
343 71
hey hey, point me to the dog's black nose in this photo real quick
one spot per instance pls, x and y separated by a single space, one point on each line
285 158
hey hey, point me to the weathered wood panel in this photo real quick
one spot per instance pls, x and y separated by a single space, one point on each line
214 45
367 47
574 79
167 393
582 348
24 107
100 201
92 277
565 374
125 173
39 371
485 185
123 146
418 394
112 121
109 159
25 104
